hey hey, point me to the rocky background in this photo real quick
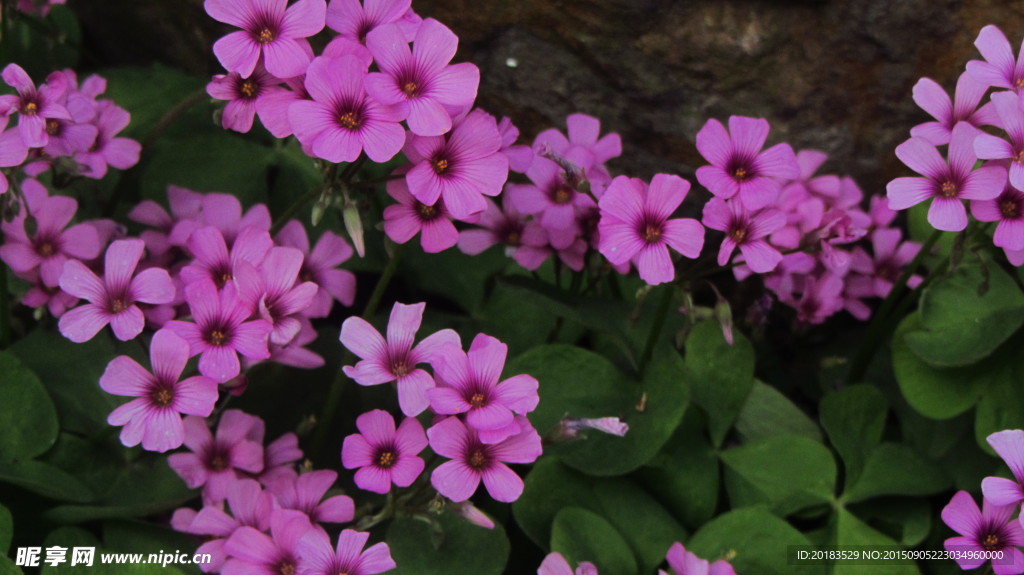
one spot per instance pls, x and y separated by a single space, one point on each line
833 75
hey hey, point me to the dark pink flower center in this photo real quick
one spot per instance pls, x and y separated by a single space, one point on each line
53 127
948 189
264 36
562 193
1009 208
428 213
248 89
738 234
218 459
477 458
45 248
440 165
386 458
991 542
162 395
119 304
30 108
217 336
740 169
285 567
477 400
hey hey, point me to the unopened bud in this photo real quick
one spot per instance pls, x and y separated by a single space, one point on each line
354 226
470 513
236 386
723 313
570 427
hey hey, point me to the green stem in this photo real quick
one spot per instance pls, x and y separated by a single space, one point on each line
659 323
338 385
5 310
881 323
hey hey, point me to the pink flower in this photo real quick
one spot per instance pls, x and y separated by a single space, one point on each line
471 386
556 564
524 240
220 330
1008 210
318 558
946 184
274 291
746 230
154 419
382 454
396 359
246 97
990 529
354 21
113 299
999 69
420 82
1009 445
253 552
1011 119
554 199
738 166
250 507
211 259
584 148
890 256
270 28
473 461
51 246
319 266
213 460
934 100
402 221
306 492
34 107
635 225
340 122
683 562
462 167
108 149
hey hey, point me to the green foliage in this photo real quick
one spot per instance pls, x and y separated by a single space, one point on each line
446 544
788 472
580 535
754 541
722 375
6 529
767 412
28 420
854 419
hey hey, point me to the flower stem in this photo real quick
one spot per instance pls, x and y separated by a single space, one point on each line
338 385
659 323
882 321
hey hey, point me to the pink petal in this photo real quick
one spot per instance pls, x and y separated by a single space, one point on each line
456 481
502 483
83 323
238 52
947 214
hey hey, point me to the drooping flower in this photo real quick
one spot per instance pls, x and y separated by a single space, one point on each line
738 166
269 28
34 106
306 492
319 558
340 122
154 418
382 454
402 221
395 359
683 562
746 230
113 299
462 167
473 460
253 552
1000 69
946 184
220 330
320 264
963 108
556 564
213 460
992 528
471 385
635 225
421 83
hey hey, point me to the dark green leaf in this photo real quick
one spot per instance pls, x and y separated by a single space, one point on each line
44 479
7 566
6 530
149 93
853 532
854 419
895 469
28 420
722 375
581 535
71 537
790 472
767 412
753 540
933 392
464 547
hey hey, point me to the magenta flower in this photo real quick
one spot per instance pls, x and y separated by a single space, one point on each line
946 184
396 359
294 353
13 152
250 506
270 28
1008 210
738 166
113 299
211 259
402 221
51 246
584 148
382 454
990 529
520 157
747 231
964 108
279 455
555 200
890 256
246 97
524 240
319 266
420 82
461 167
354 20
473 460
999 69
220 330
253 552
273 290
683 562
306 492
34 107
556 564
635 225
820 298
1010 119
318 558
471 386
1009 444
213 460
108 149
154 419
224 212
340 121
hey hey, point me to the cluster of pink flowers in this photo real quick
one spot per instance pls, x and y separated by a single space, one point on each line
61 124
992 532
996 188
680 562
480 420
259 514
